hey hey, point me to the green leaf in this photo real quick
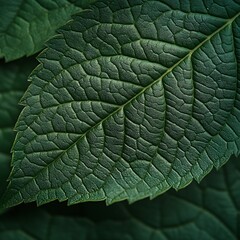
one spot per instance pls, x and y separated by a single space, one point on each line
130 99
13 83
207 211
26 25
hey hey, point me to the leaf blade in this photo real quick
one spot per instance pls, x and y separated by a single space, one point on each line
122 126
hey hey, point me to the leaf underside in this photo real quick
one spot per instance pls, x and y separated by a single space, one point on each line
130 99
26 25
192 214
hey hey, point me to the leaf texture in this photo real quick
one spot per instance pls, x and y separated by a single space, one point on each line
130 99
26 25
207 211
13 84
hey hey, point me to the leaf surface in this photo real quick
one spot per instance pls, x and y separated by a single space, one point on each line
13 83
206 211
27 24
130 99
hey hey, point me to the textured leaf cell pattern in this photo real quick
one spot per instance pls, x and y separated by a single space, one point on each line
130 99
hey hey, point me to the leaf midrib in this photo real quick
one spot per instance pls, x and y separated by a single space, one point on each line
228 22
155 81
